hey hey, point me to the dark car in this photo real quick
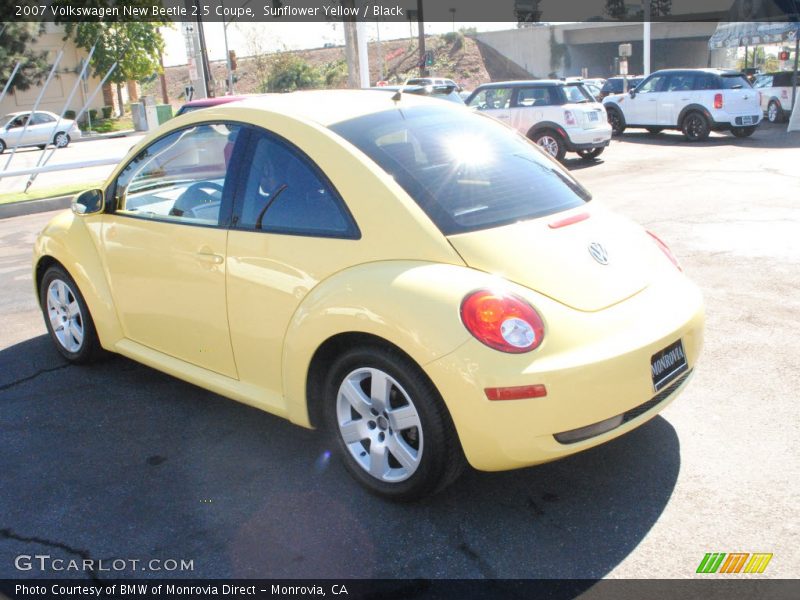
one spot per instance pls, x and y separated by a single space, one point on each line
615 85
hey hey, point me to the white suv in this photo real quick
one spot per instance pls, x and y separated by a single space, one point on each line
776 95
696 101
560 116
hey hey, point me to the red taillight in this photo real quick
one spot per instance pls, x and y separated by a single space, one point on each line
569 117
502 321
520 392
717 100
665 249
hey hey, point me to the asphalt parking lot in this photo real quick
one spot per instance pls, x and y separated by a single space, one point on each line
120 461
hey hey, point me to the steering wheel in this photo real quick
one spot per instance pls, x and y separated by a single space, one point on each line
194 196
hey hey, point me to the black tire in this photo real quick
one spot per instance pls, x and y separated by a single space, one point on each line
436 451
61 139
743 132
551 142
654 130
696 127
616 120
88 349
2 146
775 112
591 154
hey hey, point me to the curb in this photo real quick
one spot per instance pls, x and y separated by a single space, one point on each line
108 136
30 207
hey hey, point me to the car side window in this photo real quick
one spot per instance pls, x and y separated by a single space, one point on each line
492 98
706 81
680 82
284 192
654 84
19 122
537 96
41 118
179 177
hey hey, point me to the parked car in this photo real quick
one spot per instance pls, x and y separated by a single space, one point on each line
43 129
617 85
442 92
433 81
593 89
776 94
413 277
201 103
560 116
695 101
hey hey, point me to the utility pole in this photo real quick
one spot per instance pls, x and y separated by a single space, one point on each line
421 37
646 38
350 51
208 78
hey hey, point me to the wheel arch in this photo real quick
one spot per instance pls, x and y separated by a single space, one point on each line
547 125
67 243
690 108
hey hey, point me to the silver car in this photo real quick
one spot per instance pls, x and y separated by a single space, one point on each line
43 129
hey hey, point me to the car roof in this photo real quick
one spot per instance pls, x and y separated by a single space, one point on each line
712 71
327 107
527 83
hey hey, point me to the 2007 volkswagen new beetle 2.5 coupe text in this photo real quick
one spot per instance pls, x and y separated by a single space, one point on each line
418 280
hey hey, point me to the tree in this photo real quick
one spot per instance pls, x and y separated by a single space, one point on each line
289 72
15 39
134 46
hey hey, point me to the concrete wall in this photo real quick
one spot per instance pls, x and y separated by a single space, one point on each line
595 45
61 85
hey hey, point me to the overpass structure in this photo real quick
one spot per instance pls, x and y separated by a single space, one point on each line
572 49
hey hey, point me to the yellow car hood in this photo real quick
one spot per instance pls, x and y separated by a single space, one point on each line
551 255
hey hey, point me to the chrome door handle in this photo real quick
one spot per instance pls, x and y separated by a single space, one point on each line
210 257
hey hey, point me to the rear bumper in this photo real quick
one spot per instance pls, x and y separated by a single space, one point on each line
586 139
595 367
722 121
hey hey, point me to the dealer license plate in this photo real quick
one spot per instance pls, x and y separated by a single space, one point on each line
748 120
594 116
668 364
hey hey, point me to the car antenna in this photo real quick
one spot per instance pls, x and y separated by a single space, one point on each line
398 95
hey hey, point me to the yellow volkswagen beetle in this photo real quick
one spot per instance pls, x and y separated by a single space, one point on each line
419 280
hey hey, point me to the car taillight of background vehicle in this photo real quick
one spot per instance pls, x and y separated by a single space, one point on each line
502 321
665 249
717 100
569 118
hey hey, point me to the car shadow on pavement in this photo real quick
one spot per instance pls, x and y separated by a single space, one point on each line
767 135
117 460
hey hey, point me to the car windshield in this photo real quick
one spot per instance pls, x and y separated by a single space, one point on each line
465 170
576 93
734 82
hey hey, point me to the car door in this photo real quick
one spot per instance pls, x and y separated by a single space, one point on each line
164 245
678 93
533 105
40 129
643 105
495 101
291 230
13 133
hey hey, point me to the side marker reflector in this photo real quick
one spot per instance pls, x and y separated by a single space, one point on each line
516 393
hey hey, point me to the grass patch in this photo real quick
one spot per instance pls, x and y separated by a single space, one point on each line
37 193
111 125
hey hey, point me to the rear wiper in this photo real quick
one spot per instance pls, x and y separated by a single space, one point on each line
272 199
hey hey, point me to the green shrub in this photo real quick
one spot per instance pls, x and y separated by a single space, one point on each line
70 114
288 73
107 111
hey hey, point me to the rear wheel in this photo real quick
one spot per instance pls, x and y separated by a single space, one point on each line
654 130
551 142
390 425
696 127
67 317
591 154
61 140
2 146
774 112
742 132
616 121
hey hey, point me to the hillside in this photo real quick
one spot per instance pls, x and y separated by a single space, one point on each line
457 57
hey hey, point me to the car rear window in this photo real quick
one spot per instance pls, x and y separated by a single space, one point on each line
734 82
465 170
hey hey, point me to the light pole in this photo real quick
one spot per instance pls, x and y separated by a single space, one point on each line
228 68
453 16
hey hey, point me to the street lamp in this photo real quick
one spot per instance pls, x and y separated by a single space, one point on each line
453 16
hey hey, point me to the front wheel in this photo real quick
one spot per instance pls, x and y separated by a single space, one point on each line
696 127
2 146
61 140
743 132
390 425
552 143
616 121
591 154
67 317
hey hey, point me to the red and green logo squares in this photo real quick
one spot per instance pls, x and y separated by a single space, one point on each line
735 562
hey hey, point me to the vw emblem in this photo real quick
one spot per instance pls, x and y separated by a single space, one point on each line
598 253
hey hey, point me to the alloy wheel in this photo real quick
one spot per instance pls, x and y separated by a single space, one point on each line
549 144
379 425
65 315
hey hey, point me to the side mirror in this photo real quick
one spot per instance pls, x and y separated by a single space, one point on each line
632 93
88 202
